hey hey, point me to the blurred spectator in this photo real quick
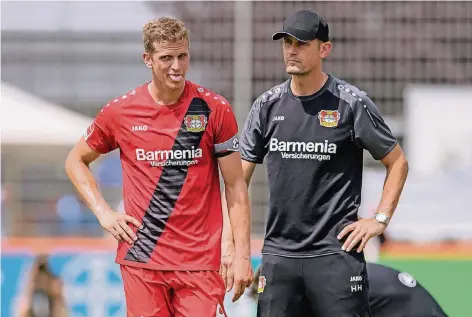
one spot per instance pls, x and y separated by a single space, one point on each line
43 294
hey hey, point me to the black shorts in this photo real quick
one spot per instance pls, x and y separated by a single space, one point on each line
327 286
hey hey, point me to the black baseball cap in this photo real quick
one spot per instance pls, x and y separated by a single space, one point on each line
305 26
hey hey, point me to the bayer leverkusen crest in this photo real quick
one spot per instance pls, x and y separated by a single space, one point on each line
329 118
195 123
261 285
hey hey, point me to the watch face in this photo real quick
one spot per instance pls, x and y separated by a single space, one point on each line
381 217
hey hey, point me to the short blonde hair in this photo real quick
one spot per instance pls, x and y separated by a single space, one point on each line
163 30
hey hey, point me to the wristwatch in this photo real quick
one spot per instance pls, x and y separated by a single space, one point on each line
382 218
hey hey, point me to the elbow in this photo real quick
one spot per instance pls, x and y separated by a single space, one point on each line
398 165
72 162
68 163
403 163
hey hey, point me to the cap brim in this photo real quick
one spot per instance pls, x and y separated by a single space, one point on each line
298 34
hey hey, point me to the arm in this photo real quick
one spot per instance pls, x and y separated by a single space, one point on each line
78 171
251 147
364 229
397 170
237 221
227 241
227 236
373 134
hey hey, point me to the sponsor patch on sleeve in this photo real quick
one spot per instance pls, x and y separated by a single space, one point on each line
232 145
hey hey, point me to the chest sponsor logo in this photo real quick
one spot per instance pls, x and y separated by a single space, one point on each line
278 118
329 118
160 158
321 151
195 123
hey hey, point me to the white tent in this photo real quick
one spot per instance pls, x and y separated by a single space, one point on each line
27 119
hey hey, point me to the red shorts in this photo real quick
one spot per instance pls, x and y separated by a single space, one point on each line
151 293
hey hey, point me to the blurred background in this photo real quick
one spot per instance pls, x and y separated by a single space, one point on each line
62 61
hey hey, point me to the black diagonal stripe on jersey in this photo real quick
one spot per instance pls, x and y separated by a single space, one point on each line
167 190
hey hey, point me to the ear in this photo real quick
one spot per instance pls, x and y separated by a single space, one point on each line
147 58
325 49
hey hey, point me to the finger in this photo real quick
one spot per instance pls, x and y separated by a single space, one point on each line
251 280
349 238
224 273
248 282
129 232
230 279
238 290
123 234
133 220
221 310
347 229
115 234
365 239
357 238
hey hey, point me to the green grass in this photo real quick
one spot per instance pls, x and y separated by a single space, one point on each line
449 281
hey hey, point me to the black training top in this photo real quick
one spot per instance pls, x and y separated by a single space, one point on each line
314 151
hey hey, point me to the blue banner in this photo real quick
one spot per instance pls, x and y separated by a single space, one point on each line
92 284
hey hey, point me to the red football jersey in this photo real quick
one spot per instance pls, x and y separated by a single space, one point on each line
170 174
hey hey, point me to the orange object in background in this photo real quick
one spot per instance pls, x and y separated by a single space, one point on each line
459 249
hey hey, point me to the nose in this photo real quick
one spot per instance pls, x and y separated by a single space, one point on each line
175 64
292 49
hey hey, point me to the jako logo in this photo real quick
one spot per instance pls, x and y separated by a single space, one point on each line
310 147
278 118
356 278
139 128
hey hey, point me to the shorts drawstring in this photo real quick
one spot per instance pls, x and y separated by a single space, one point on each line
223 308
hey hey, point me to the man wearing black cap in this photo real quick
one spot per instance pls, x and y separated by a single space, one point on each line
312 130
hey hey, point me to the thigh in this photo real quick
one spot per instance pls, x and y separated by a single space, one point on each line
281 292
146 293
337 285
196 293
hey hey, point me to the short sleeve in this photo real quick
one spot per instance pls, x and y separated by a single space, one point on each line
370 130
252 144
100 135
226 134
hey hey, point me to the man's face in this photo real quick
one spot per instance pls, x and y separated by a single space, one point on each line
301 58
169 63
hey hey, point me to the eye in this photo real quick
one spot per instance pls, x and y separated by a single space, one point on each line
165 58
182 56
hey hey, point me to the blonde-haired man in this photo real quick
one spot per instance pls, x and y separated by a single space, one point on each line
172 135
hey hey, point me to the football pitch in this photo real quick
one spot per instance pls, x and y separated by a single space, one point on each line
448 280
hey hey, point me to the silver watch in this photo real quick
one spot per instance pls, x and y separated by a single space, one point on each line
382 218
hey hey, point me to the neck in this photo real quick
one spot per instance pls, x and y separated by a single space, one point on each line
307 84
163 95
